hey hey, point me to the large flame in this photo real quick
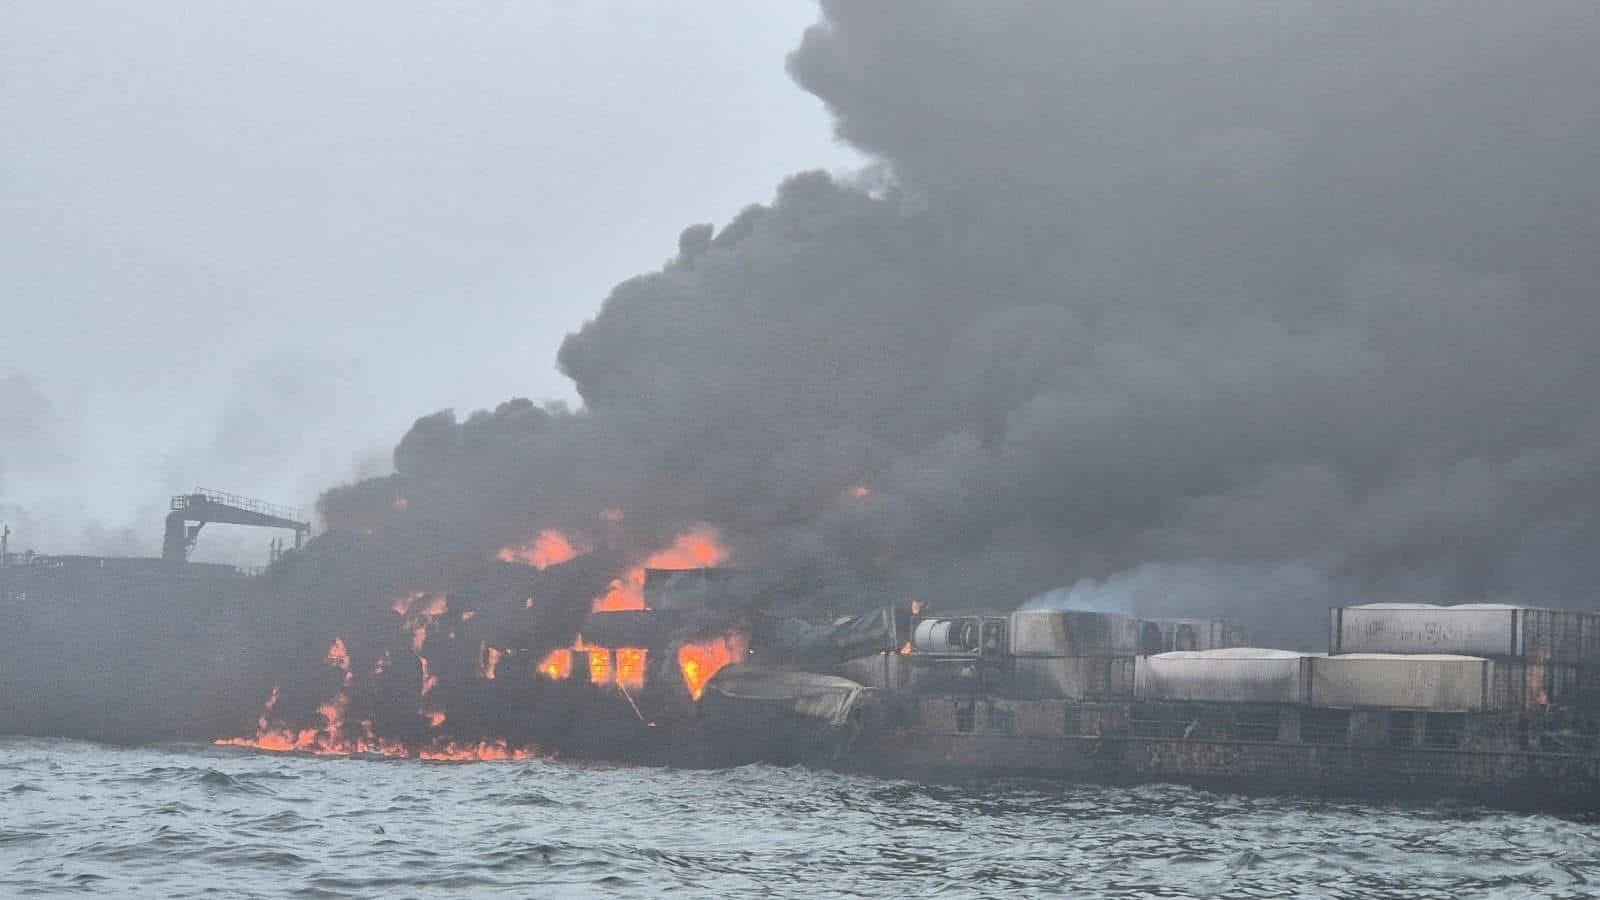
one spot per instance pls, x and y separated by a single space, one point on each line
548 548
599 665
699 548
335 737
420 612
489 660
700 660
624 666
427 615
557 666
630 666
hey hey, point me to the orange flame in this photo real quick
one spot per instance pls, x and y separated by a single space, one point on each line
698 548
333 737
429 680
699 661
599 665
420 610
905 649
548 548
557 666
631 666
489 660
859 491
339 655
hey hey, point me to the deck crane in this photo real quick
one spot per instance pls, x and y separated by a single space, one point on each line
191 512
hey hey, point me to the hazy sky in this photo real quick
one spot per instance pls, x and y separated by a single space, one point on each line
244 245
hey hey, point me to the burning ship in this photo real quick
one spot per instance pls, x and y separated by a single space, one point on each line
554 648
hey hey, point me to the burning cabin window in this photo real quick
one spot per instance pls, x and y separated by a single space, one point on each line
631 667
599 666
557 666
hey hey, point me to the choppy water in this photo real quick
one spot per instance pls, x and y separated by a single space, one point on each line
200 821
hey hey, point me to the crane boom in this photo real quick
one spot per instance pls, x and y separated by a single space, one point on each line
191 512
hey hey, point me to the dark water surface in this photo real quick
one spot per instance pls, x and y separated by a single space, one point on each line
186 821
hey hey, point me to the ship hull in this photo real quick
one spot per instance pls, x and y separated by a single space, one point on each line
1507 778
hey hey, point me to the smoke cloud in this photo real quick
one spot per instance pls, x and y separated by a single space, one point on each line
1219 308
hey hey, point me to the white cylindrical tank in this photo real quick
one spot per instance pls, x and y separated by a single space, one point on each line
1234 675
946 635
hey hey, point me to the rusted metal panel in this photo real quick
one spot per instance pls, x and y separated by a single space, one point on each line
1555 634
1523 684
1403 681
1237 675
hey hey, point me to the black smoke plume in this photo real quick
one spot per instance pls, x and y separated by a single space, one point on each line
1213 308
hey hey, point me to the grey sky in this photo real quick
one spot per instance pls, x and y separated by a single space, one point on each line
245 245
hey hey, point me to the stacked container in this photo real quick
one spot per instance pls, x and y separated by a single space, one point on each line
1071 654
1542 657
1078 655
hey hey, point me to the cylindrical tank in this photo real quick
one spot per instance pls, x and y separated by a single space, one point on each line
1235 675
946 636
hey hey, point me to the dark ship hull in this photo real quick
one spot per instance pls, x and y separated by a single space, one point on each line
143 650
1032 743
124 649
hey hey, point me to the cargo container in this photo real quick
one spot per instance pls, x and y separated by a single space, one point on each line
1525 684
1419 681
1079 633
1189 634
1477 629
1237 675
1073 633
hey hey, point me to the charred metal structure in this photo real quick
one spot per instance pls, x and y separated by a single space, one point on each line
191 512
1487 703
